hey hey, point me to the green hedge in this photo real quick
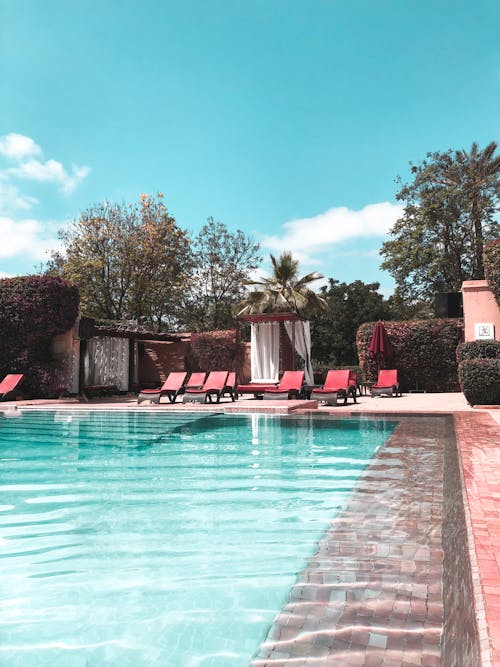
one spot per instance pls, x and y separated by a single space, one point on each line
478 349
480 380
479 371
34 309
491 257
216 351
424 353
324 368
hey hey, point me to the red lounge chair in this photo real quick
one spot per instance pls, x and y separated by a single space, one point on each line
337 384
353 382
289 386
195 381
214 386
387 383
230 387
172 387
9 384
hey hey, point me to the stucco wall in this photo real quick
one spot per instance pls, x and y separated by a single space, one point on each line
66 350
158 359
479 307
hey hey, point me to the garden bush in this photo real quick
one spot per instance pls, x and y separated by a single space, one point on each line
324 368
480 380
424 352
216 351
478 349
34 309
491 256
479 371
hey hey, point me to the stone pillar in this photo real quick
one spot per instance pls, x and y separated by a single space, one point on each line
480 307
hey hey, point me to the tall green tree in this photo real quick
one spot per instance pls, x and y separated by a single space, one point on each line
348 306
129 261
450 208
284 291
478 174
223 262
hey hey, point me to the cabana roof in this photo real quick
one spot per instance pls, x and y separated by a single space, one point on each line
88 328
272 317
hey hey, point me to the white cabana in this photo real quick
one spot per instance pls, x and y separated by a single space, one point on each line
299 333
265 344
265 351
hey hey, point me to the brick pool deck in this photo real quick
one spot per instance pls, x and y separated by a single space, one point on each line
386 608
478 440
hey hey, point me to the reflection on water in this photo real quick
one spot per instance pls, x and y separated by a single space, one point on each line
162 539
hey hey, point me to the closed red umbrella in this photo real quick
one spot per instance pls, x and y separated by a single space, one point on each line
380 347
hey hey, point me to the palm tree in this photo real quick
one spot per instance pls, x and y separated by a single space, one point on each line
284 291
477 173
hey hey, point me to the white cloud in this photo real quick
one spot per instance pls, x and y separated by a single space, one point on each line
50 171
11 199
18 146
260 273
25 238
24 151
308 236
386 291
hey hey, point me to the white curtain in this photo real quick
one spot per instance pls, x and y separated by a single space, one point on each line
265 351
107 362
302 339
73 376
135 365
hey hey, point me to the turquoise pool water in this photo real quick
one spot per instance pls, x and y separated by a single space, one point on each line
155 539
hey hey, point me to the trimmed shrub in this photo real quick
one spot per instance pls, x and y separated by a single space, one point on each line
424 352
324 368
479 371
480 380
478 349
217 351
491 258
34 309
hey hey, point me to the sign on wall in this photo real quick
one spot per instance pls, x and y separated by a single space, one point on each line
485 331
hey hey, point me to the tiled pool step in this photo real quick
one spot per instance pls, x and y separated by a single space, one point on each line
372 594
272 407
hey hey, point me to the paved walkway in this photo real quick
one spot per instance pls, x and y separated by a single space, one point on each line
409 403
479 450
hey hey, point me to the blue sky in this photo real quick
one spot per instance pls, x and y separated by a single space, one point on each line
288 119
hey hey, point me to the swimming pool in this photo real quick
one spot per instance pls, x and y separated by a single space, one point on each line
166 539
